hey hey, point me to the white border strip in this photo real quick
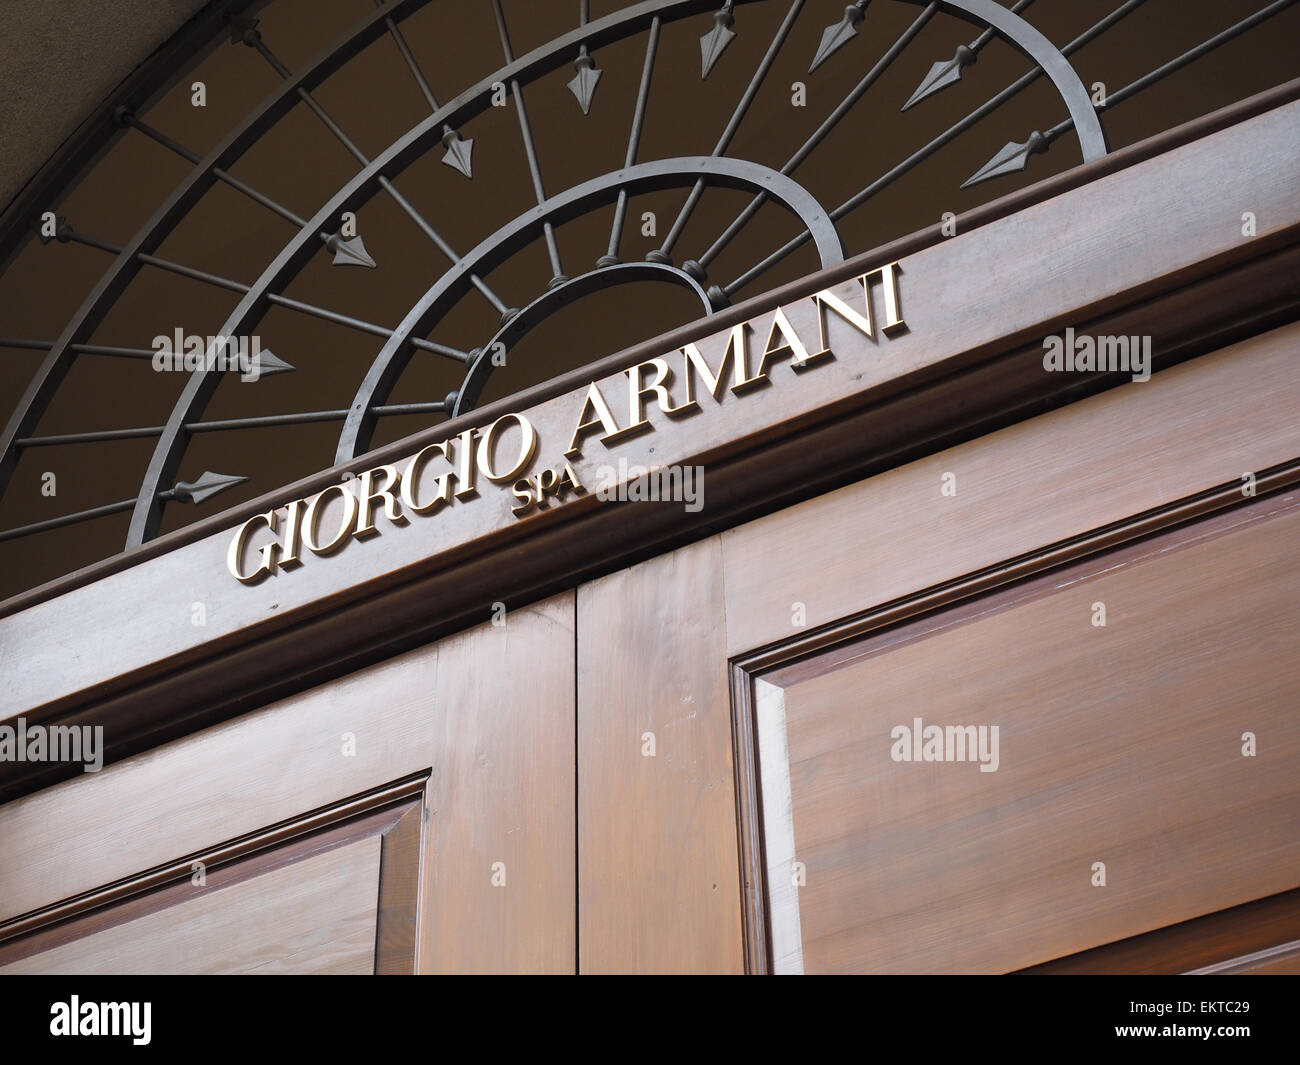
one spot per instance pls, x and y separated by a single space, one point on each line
778 830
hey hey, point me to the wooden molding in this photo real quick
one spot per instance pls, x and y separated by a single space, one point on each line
992 211
1254 936
970 364
1239 939
379 812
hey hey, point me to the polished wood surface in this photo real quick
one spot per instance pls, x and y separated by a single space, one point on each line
194 794
1114 463
658 888
1034 483
499 892
1257 937
162 675
1285 961
249 857
498 752
1119 744
399 894
316 916
548 840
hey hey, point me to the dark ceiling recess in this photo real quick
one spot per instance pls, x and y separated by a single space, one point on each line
383 198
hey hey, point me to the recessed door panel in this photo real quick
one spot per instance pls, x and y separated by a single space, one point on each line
1103 751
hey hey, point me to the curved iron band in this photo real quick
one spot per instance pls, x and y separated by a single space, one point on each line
662 173
395 158
146 516
551 300
142 88
1020 34
54 367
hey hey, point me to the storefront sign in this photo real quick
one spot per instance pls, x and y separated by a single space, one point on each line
503 453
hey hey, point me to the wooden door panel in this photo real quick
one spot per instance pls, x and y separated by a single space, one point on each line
1257 937
332 891
1038 482
229 781
499 864
887 600
1119 744
316 916
356 827
657 887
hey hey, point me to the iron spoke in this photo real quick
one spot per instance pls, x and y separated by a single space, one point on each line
924 153
664 253
831 121
558 276
633 141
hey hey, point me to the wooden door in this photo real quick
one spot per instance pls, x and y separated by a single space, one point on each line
999 708
415 816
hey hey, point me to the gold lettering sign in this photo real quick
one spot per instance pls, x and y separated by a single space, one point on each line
503 452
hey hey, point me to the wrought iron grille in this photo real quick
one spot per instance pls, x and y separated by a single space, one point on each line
765 111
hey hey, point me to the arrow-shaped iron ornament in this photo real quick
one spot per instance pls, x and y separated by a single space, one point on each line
838 35
715 42
944 73
268 363
583 85
208 485
1012 157
459 151
349 252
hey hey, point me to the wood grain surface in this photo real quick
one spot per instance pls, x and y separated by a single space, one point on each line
316 916
1034 483
239 777
488 714
499 892
1258 936
658 886
1120 744
1129 239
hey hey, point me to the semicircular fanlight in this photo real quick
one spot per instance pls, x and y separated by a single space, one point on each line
492 165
